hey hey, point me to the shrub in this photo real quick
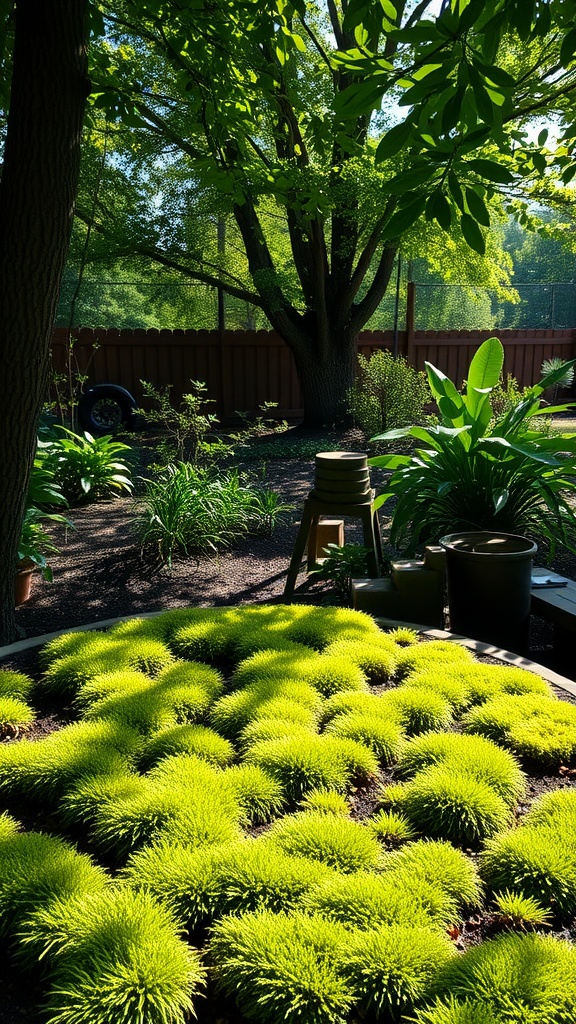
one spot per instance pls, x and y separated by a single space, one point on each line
36 869
440 864
474 755
535 727
304 763
557 809
392 967
417 709
282 967
15 684
536 861
382 736
115 955
83 802
88 468
340 564
519 977
338 842
366 900
445 803
387 393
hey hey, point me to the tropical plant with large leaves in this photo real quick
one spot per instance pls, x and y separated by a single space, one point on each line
474 470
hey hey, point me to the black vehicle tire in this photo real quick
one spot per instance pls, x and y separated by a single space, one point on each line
106 407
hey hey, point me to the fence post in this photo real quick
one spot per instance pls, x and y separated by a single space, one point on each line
410 307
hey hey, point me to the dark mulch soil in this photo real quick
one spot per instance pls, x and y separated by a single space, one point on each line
100 574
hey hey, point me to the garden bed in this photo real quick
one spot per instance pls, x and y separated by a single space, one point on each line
318 742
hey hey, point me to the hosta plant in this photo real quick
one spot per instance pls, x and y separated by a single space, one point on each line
88 468
476 471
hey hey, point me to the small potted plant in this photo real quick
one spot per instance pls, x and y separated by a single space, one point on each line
35 544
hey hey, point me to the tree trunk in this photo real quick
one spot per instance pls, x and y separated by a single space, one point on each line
326 379
37 193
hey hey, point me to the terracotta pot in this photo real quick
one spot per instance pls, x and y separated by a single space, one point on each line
23 582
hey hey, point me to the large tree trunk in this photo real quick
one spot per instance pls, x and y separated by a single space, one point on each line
326 377
37 193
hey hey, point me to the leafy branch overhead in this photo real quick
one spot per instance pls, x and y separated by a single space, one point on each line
473 80
325 136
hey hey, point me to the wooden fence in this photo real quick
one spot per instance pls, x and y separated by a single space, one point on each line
244 369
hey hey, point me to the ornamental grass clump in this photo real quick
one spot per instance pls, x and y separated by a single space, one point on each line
82 803
179 877
454 1012
535 727
255 875
520 978
234 711
318 627
282 967
520 912
259 795
473 755
439 864
384 737
537 861
377 657
194 675
417 709
356 701
420 655
186 739
366 900
156 814
556 809
8 826
42 770
446 803
209 639
303 763
326 801
391 828
36 869
393 967
271 729
336 841
16 716
15 684
115 955
108 684
328 674
447 684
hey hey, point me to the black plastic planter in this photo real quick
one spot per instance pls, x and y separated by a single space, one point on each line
489 582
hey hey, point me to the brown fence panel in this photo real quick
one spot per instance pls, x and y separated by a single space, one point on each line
245 369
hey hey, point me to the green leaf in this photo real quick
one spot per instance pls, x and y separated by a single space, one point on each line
359 98
456 191
394 141
404 218
472 234
491 170
485 368
412 178
438 208
477 207
568 48
442 388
